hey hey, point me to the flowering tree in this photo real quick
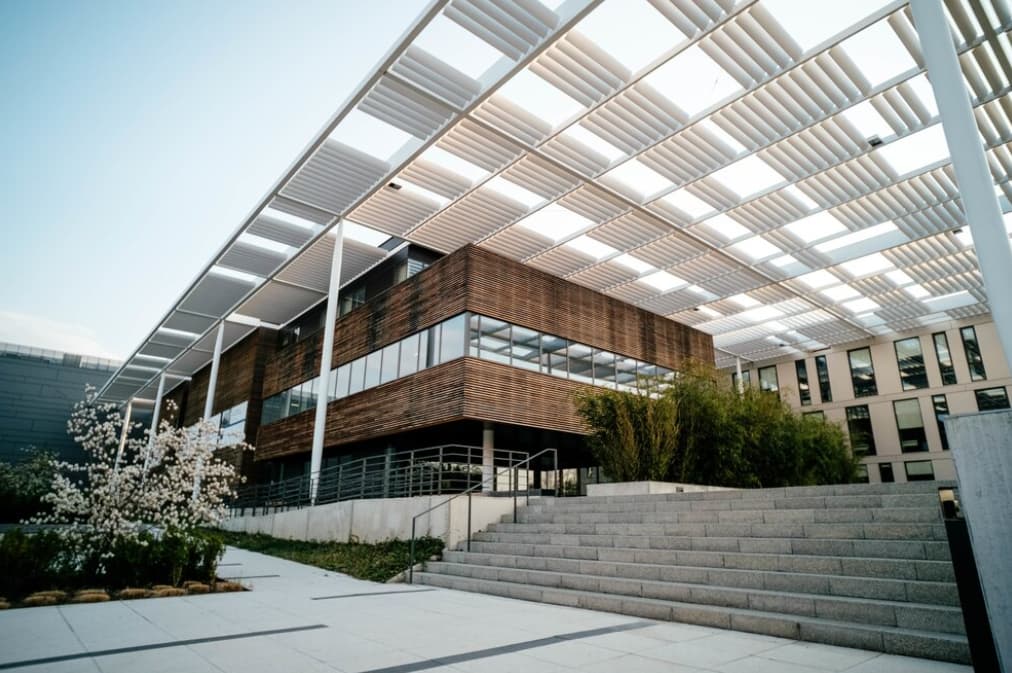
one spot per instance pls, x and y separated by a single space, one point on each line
172 482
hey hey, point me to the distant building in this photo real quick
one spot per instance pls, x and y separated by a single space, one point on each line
38 390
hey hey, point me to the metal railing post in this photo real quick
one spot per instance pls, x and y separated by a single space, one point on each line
361 484
340 475
468 521
411 473
516 475
411 562
439 473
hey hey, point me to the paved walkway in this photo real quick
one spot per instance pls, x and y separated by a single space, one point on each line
304 620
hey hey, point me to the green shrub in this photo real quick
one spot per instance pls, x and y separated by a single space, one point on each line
22 484
33 563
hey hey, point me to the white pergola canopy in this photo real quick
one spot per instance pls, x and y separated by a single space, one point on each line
771 175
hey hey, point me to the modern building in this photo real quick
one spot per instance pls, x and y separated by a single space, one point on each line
891 393
783 184
38 391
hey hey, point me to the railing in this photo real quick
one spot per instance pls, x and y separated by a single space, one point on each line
437 470
470 491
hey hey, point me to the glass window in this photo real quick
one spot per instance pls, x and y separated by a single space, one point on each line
944 358
388 372
272 409
861 474
453 338
494 340
341 381
911 425
885 473
526 348
604 368
818 415
373 363
989 399
910 359
432 352
768 379
862 439
973 357
357 382
553 358
473 334
625 373
919 470
941 407
801 368
295 401
746 377
409 355
822 371
424 351
862 373
581 366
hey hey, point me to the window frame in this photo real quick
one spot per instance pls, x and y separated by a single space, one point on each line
977 398
822 375
869 389
804 387
909 380
917 433
947 371
871 447
972 363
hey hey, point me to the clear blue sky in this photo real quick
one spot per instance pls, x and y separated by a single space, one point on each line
136 135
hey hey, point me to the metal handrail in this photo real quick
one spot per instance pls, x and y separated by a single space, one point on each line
515 474
431 470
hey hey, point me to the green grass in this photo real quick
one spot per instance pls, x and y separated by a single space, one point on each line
377 562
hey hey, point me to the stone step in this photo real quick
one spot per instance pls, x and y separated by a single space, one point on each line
832 515
911 591
894 640
743 528
920 616
802 556
812 531
684 503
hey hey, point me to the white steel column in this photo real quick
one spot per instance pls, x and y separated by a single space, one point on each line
326 362
976 186
155 419
124 433
212 383
741 381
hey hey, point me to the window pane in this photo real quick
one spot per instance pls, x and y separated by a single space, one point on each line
473 332
604 368
911 425
272 409
941 406
822 371
494 340
372 369
768 379
295 401
409 355
885 473
355 385
861 474
862 440
625 375
944 358
526 348
424 351
453 338
803 391
817 415
553 357
581 367
862 373
342 379
991 398
390 355
919 470
746 377
973 356
911 363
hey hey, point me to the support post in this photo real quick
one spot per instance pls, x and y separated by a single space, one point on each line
212 383
326 363
488 457
976 185
155 420
741 381
123 435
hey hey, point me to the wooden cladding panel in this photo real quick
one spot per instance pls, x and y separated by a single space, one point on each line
239 372
502 288
429 297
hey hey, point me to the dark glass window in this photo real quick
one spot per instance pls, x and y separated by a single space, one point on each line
919 470
862 440
941 406
803 390
862 372
822 371
885 473
861 474
746 377
911 425
989 399
910 359
944 358
819 415
768 379
973 357
526 348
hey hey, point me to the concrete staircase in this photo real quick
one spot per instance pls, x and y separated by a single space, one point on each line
861 565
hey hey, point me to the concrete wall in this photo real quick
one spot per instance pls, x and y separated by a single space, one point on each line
377 520
646 487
